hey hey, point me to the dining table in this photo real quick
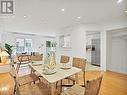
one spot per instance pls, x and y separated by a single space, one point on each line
59 74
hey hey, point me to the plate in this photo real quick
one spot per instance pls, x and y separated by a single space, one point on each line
66 68
49 72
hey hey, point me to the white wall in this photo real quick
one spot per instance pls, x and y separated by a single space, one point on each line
115 24
37 40
78 40
108 49
0 36
118 55
1 30
77 49
110 25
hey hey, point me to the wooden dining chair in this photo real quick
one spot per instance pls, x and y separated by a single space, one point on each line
33 89
92 88
64 59
26 79
78 63
23 59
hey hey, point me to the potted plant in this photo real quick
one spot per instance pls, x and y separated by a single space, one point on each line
8 49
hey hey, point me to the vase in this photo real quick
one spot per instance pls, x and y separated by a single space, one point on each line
52 62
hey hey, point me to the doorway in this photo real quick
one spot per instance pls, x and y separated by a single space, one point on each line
93 47
117 50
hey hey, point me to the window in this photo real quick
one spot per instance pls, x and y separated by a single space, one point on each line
20 45
65 41
28 45
24 45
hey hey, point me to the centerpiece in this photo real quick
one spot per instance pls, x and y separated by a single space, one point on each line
50 66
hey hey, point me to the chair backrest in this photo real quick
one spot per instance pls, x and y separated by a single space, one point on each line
64 59
93 86
79 63
37 58
24 58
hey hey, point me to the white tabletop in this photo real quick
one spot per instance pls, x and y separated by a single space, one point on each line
59 75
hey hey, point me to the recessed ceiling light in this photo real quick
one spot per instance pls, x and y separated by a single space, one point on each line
125 11
24 16
62 10
78 17
119 1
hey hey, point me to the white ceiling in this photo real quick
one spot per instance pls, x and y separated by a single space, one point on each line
44 16
119 33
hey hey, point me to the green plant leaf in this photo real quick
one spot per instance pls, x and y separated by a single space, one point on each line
8 48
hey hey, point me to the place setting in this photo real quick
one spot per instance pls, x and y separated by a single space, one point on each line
49 70
65 66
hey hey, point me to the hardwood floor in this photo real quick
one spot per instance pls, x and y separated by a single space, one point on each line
6 84
112 84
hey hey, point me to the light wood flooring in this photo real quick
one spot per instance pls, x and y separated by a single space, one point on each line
112 84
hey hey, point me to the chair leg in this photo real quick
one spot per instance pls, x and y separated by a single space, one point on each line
17 68
84 77
56 84
73 82
31 71
61 86
39 80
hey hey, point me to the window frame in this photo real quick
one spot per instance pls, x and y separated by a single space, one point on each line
24 46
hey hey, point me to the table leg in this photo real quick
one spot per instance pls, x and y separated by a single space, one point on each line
52 89
77 78
31 70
